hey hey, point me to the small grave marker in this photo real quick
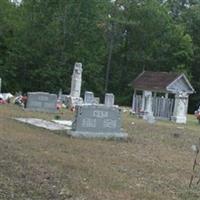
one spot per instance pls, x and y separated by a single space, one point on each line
109 99
89 98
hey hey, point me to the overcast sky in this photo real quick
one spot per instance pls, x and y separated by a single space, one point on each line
16 1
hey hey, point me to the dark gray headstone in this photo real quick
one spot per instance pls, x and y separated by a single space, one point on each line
97 121
41 101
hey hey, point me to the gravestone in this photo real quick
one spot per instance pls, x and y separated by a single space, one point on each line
76 80
97 121
109 99
74 98
42 102
60 94
89 98
63 98
97 100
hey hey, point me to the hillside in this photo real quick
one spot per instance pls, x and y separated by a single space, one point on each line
36 164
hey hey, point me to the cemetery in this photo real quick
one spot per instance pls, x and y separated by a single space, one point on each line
99 100
84 138
158 153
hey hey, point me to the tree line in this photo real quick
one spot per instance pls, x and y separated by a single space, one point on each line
115 40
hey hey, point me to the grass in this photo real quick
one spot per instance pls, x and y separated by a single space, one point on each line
155 162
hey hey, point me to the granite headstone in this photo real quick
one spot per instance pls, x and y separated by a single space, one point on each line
41 101
97 121
109 99
89 98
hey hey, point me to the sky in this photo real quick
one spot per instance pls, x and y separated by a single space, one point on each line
16 1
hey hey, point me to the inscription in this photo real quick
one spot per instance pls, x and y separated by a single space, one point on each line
49 105
109 123
35 104
100 114
43 98
89 123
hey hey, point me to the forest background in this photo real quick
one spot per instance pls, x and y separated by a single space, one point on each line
40 40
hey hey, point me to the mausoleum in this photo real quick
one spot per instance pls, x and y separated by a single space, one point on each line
162 95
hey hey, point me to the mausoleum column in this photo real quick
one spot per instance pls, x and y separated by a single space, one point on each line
143 101
148 102
148 111
133 101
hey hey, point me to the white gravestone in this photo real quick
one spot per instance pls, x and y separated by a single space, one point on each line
76 80
109 99
89 98
74 98
180 108
148 112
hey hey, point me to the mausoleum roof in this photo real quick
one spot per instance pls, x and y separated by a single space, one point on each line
163 82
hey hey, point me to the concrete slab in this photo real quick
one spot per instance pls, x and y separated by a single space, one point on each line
43 124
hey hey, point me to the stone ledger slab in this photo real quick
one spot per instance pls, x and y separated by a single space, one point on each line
44 124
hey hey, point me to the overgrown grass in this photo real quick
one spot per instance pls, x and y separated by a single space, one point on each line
155 162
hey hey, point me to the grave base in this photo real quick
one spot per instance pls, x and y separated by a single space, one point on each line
106 135
179 120
73 101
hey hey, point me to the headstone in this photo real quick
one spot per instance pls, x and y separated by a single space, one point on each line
97 100
74 98
42 102
76 80
60 94
109 99
97 121
63 98
89 98
73 101
180 108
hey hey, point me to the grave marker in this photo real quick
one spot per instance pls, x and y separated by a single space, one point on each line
89 98
41 101
109 99
97 121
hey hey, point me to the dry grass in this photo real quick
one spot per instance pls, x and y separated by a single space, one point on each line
36 164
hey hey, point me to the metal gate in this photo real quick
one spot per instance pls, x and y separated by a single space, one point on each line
162 107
